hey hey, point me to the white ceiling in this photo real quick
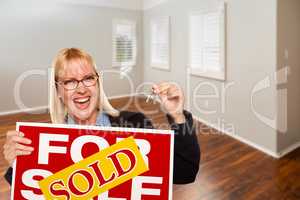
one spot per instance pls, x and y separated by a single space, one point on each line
125 4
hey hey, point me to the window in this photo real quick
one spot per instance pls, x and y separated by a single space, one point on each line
160 42
124 43
207 44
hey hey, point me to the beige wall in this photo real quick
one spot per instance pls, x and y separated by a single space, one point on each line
251 57
288 42
31 34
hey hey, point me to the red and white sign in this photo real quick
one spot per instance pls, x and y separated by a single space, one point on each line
58 146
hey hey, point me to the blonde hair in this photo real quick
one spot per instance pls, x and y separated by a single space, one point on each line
58 111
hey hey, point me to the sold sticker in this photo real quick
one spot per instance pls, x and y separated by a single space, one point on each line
96 174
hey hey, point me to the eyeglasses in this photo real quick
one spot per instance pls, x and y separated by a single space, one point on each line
72 84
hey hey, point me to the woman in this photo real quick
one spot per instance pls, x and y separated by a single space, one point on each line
77 96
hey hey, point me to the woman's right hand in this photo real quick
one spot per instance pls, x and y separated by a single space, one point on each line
15 145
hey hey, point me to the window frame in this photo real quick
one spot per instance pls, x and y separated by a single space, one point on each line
133 25
211 74
156 65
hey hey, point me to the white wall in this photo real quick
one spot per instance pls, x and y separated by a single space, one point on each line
147 4
32 33
288 49
251 57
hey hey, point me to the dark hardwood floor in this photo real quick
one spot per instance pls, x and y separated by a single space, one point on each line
230 170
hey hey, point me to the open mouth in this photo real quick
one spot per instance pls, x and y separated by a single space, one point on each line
82 102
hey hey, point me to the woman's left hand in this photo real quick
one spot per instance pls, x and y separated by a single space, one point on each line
172 99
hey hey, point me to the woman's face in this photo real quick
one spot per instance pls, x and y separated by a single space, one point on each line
81 102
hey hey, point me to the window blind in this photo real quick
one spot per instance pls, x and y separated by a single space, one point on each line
207 46
160 39
124 43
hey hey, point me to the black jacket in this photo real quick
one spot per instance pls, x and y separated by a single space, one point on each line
186 147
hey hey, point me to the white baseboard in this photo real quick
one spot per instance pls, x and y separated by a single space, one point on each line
124 96
237 137
241 139
37 109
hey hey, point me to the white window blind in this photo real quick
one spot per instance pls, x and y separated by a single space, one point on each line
207 45
160 42
124 43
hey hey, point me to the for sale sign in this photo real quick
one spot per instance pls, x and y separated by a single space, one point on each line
88 162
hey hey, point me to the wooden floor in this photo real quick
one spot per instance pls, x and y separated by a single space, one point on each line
229 169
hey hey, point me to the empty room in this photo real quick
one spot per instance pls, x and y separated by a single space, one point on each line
150 99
